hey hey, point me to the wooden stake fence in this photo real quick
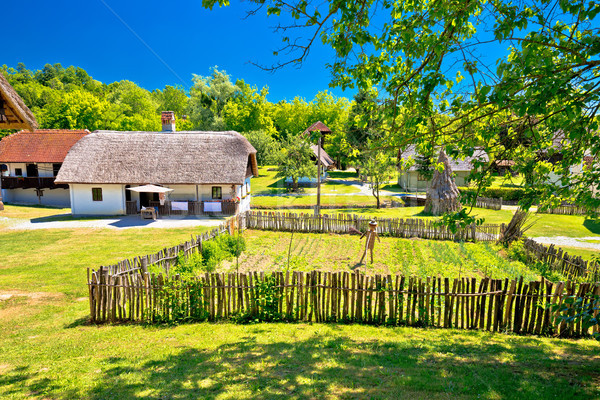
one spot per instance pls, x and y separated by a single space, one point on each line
489 203
344 223
571 267
465 303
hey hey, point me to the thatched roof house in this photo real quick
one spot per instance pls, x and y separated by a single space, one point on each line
197 158
14 114
198 166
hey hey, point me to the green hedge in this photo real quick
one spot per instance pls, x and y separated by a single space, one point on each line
506 194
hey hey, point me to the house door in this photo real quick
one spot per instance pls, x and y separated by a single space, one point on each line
145 198
32 170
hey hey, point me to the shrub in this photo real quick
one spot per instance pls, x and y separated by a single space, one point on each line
233 245
190 265
213 254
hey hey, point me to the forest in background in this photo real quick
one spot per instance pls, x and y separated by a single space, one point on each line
69 98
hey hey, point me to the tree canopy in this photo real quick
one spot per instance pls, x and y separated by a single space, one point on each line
69 98
518 79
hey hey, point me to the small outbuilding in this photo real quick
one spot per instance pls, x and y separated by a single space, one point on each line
206 172
412 179
14 114
30 161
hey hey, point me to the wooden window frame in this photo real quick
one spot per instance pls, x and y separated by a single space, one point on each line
17 170
96 194
219 189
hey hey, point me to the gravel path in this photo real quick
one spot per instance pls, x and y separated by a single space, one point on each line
113 223
589 242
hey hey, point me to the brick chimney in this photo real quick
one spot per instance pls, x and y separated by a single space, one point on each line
168 121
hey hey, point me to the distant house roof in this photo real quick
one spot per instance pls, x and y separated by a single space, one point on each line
40 146
318 126
457 165
326 160
161 158
16 114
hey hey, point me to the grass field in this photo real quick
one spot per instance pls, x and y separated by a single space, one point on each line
49 352
341 200
267 183
267 251
545 224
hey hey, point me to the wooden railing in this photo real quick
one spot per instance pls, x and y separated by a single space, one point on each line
131 207
194 208
15 182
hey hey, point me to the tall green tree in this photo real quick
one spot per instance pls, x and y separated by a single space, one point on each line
295 160
248 110
481 63
379 168
208 97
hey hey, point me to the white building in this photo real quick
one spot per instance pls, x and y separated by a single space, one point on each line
208 172
29 163
411 179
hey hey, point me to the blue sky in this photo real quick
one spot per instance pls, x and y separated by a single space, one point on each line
190 39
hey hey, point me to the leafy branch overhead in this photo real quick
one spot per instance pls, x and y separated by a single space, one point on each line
519 79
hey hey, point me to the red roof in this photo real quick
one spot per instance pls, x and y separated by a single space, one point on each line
40 146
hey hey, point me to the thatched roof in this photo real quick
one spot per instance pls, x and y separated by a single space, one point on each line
159 158
41 146
465 164
17 114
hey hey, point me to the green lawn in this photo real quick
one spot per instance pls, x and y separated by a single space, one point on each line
275 201
511 181
545 224
267 183
49 352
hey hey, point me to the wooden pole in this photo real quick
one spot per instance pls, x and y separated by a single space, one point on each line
318 207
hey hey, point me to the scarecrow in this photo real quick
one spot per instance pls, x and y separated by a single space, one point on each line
370 243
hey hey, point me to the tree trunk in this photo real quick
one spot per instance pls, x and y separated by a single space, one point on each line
294 185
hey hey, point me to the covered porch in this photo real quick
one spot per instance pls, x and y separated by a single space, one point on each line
155 197
173 208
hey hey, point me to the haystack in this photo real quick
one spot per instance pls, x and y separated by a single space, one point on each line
442 195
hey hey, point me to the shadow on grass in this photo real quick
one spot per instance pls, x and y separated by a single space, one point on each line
593 225
67 217
260 366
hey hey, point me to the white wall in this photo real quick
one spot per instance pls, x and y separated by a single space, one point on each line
113 200
410 180
44 169
50 197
